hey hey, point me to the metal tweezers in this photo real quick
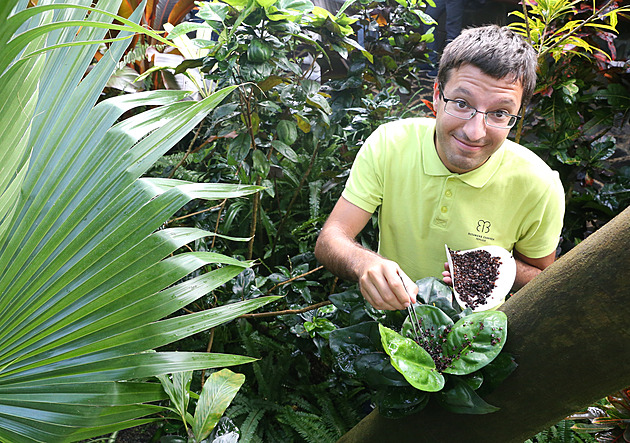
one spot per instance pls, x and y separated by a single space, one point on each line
413 317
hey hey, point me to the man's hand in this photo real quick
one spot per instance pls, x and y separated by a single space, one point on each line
382 282
385 286
446 275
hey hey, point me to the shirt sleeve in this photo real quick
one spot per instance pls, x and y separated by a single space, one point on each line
364 187
541 229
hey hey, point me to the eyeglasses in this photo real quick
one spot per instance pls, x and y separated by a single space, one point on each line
461 109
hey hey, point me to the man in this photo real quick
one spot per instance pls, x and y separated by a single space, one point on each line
451 180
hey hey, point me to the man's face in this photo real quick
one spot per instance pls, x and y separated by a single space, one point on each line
464 145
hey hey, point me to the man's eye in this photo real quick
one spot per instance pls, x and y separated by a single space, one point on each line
500 115
461 105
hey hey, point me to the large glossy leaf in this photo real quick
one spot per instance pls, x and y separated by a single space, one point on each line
460 398
433 321
413 362
475 341
90 283
359 353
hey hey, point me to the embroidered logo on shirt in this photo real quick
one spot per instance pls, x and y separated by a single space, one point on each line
483 226
482 231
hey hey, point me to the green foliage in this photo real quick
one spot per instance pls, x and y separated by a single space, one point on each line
308 95
582 96
561 433
90 285
276 406
448 358
216 395
608 420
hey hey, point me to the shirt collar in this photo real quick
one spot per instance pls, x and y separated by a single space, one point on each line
476 178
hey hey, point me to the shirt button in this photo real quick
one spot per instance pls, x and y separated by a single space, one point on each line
448 193
444 209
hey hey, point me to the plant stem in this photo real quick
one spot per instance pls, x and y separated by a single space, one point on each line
294 198
287 311
294 278
188 152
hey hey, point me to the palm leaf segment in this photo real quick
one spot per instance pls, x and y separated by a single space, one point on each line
85 284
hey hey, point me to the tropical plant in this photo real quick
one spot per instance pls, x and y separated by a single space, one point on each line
449 354
609 420
145 51
582 94
561 432
216 395
85 287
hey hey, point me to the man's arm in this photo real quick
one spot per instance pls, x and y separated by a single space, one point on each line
527 268
382 282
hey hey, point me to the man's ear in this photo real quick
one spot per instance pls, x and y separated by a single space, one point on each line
436 94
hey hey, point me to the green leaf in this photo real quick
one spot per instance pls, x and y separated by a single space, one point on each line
413 362
433 322
462 399
261 163
434 292
177 386
319 101
358 352
217 394
86 283
285 150
475 341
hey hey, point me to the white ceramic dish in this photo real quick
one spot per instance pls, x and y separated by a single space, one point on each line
503 284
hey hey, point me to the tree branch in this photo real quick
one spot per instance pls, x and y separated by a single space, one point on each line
287 311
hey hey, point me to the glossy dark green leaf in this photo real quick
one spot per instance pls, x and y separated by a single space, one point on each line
376 370
352 304
496 371
475 341
413 362
460 398
433 323
398 402
434 292
349 343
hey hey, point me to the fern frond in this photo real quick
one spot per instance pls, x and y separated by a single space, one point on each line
309 426
249 426
339 413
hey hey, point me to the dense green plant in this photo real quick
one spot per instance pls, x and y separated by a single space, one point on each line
87 275
582 94
609 420
454 355
394 31
561 433
246 141
216 395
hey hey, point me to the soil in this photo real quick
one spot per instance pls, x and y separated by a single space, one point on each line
139 434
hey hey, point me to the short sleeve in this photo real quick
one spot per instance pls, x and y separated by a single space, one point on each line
364 187
542 227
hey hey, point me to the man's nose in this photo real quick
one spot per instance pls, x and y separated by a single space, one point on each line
475 128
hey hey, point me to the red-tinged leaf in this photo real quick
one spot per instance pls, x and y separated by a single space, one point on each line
429 105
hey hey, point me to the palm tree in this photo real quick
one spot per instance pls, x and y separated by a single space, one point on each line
89 282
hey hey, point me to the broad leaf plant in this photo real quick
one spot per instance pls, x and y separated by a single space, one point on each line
90 285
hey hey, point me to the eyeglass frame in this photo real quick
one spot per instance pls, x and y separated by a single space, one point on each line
475 111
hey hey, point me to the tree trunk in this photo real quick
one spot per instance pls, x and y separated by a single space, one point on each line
569 330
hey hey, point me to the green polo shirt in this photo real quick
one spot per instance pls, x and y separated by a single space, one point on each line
514 200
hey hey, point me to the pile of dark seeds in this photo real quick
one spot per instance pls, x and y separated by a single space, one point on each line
476 274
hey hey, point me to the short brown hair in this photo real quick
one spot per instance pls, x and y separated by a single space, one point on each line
497 51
